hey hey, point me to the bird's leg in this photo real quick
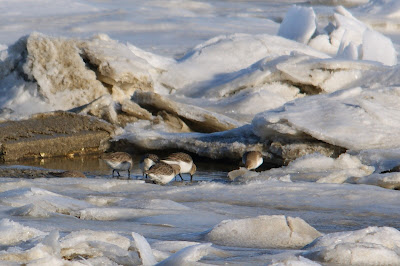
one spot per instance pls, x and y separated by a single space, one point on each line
180 176
118 173
191 178
113 172
129 173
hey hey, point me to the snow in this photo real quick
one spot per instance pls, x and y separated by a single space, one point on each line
315 86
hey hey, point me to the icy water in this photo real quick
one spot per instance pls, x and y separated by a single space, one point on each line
230 60
94 167
182 213
209 173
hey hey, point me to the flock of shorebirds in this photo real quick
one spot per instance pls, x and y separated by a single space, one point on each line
162 171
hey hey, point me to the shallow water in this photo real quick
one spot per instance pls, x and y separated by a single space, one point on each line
124 206
92 166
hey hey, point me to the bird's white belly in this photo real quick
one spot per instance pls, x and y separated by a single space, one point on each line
185 167
119 165
163 179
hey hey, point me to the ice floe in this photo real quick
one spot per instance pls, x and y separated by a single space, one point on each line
264 232
369 246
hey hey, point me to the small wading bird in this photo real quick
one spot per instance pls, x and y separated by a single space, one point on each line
184 161
252 159
147 161
118 161
162 173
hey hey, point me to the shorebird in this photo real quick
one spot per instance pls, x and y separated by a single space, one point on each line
162 173
118 161
252 159
185 162
147 161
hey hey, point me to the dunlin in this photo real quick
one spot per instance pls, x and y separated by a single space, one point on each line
147 161
185 162
252 159
162 173
118 161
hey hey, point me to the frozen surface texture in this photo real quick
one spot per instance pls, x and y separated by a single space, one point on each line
313 85
264 232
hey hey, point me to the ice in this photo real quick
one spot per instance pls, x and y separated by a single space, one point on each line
355 118
264 232
209 62
350 38
144 249
13 233
369 246
378 48
108 214
226 144
200 118
45 252
52 202
387 180
299 24
297 261
317 168
321 101
187 255
53 72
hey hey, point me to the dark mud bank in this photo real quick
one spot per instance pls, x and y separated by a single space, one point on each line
54 134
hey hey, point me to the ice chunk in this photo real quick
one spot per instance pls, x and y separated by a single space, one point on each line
373 45
187 255
387 180
88 243
43 199
144 249
208 62
31 210
46 252
41 73
275 231
13 232
103 107
369 246
299 24
377 47
117 65
56 65
319 168
227 144
200 119
355 118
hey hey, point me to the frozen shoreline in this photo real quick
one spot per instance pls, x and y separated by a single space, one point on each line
312 86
